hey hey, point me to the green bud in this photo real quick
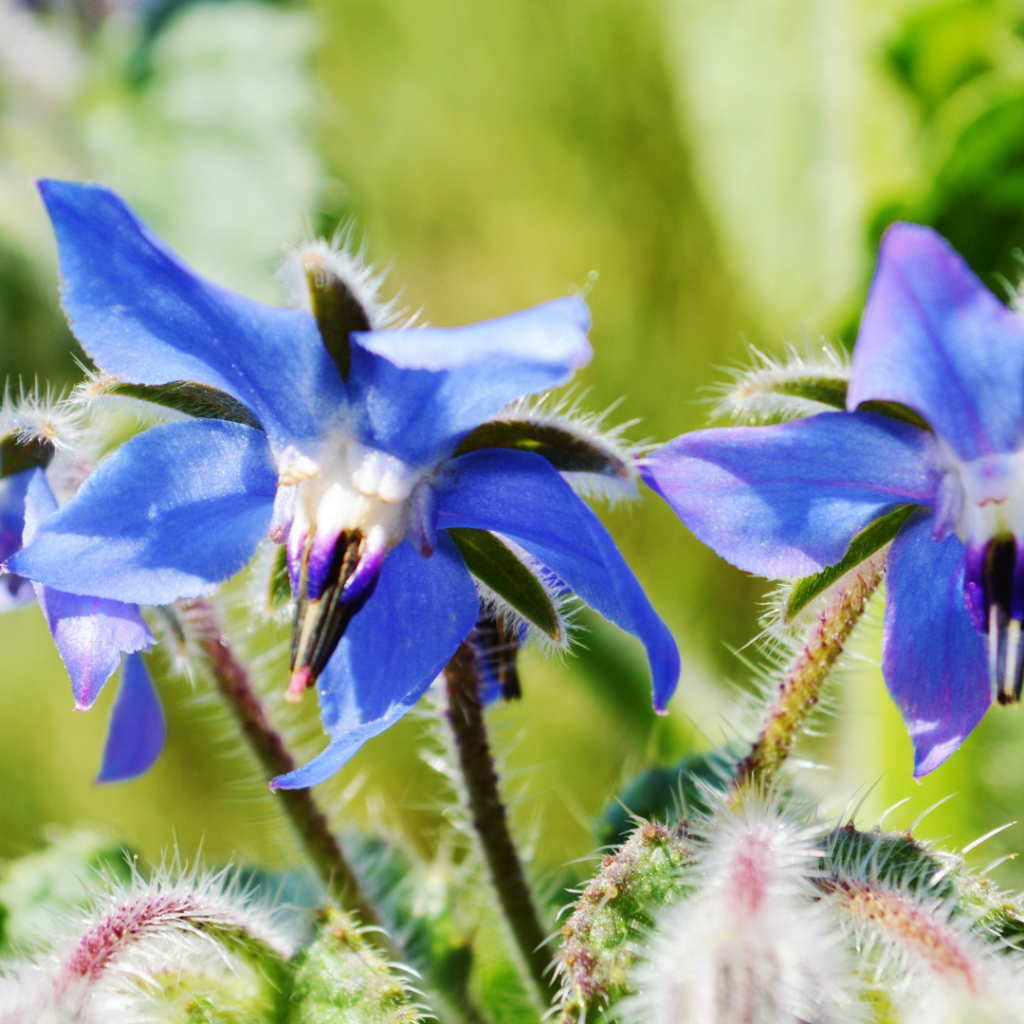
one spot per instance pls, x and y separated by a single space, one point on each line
602 937
341 979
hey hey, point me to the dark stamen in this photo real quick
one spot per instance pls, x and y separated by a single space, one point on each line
497 646
320 623
1005 666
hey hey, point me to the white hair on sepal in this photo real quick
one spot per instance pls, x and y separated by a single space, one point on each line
564 604
341 259
768 390
917 945
565 412
754 942
42 415
108 962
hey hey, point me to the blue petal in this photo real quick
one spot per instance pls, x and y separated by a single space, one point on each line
787 500
936 339
416 393
137 728
172 513
14 590
422 609
143 315
522 496
90 633
933 658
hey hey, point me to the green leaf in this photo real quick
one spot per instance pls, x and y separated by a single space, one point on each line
895 411
280 589
863 546
495 565
187 396
568 451
19 454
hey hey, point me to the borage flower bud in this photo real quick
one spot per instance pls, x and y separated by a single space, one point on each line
388 462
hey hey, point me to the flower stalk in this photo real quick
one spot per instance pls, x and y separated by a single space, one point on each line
465 717
799 690
310 822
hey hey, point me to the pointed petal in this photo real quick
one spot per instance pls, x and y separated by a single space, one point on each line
934 338
933 658
90 634
14 590
422 609
440 383
143 315
137 728
522 496
172 513
786 500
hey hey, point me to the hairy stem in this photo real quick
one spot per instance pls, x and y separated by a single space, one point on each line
799 690
465 716
310 822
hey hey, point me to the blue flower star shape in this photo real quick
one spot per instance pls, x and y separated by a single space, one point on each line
352 464
786 500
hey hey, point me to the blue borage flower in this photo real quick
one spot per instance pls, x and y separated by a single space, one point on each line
341 447
91 633
787 500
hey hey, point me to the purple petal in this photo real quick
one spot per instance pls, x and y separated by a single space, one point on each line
422 609
787 500
143 315
172 513
934 338
415 393
137 728
522 496
933 658
14 590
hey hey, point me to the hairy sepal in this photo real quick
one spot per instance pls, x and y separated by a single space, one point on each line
505 574
873 541
187 397
595 461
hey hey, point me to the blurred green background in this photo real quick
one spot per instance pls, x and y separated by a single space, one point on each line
715 173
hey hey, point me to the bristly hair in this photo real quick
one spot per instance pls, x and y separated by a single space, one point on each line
41 416
754 942
343 260
774 389
621 455
102 965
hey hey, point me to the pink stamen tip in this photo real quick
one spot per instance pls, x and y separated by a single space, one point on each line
298 685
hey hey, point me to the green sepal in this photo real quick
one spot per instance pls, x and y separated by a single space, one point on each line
187 396
831 391
337 312
826 390
18 454
497 567
279 592
862 547
567 451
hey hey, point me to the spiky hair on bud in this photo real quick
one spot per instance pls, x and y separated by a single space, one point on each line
928 931
753 943
341 260
41 415
774 389
595 459
110 963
